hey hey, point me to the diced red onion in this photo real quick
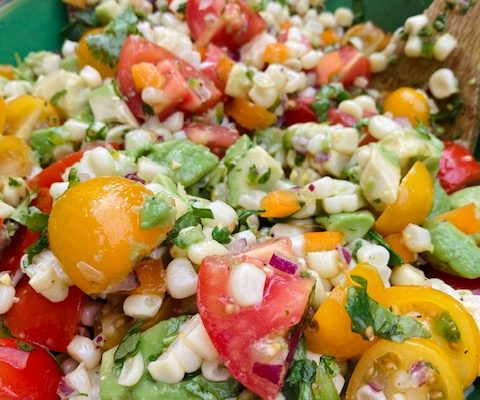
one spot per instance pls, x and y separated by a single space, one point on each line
90 311
283 265
16 276
321 156
270 372
419 372
15 357
344 253
135 177
64 390
99 340
403 121
237 245
375 387
69 365
311 187
292 345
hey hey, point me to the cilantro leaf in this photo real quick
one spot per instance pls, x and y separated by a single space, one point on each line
37 247
24 346
106 46
202 212
376 238
30 216
243 216
265 177
451 112
325 97
221 235
129 345
81 22
186 220
446 327
367 315
188 236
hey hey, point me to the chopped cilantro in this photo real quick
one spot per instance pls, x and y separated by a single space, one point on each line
73 177
427 49
181 8
243 216
221 235
81 22
449 115
129 345
325 97
440 22
202 212
252 174
12 182
57 96
376 238
37 247
446 327
30 216
265 177
24 346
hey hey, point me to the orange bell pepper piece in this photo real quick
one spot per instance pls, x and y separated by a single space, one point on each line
465 218
146 75
276 53
151 275
322 241
250 115
414 202
279 204
7 72
397 244
224 66
329 37
285 26
76 3
331 331
329 65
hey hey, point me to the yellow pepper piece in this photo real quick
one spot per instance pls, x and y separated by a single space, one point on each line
322 241
279 204
414 201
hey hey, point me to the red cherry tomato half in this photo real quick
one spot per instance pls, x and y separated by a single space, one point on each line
38 320
217 138
27 372
240 334
223 23
356 65
458 168
11 256
177 91
335 116
301 112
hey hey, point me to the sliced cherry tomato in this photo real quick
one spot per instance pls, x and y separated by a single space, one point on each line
11 256
300 112
37 319
54 172
331 331
224 23
335 116
241 335
15 156
372 36
185 88
216 137
458 168
408 103
27 372
440 312
417 369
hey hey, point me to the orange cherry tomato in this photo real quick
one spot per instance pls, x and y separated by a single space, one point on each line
86 57
387 364
94 231
331 332
15 157
409 103
27 113
440 311
372 36
414 202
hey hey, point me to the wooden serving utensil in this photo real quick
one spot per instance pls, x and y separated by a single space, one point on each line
463 22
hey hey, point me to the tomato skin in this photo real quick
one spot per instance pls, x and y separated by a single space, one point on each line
31 376
217 138
355 64
231 24
37 319
335 116
136 50
458 168
457 282
235 334
11 256
301 112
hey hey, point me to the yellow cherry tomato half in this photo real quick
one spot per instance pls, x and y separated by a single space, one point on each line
409 103
3 114
86 57
372 36
451 325
331 330
94 231
15 157
414 202
27 113
417 369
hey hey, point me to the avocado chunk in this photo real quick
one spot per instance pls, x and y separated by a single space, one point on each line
352 225
256 170
466 196
454 252
152 342
442 203
380 176
108 106
410 145
186 161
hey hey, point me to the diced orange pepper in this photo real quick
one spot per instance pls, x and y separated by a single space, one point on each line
322 241
151 275
224 66
250 115
276 53
146 75
86 57
397 244
76 3
331 331
279 204
465 218
329 65
202 50
329 37
285 26
3 114
7 72
414 202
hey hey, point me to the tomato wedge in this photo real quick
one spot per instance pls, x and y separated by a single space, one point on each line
242 336
223 23
301 112
185 88
37 319
216 137
11 256
27 372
